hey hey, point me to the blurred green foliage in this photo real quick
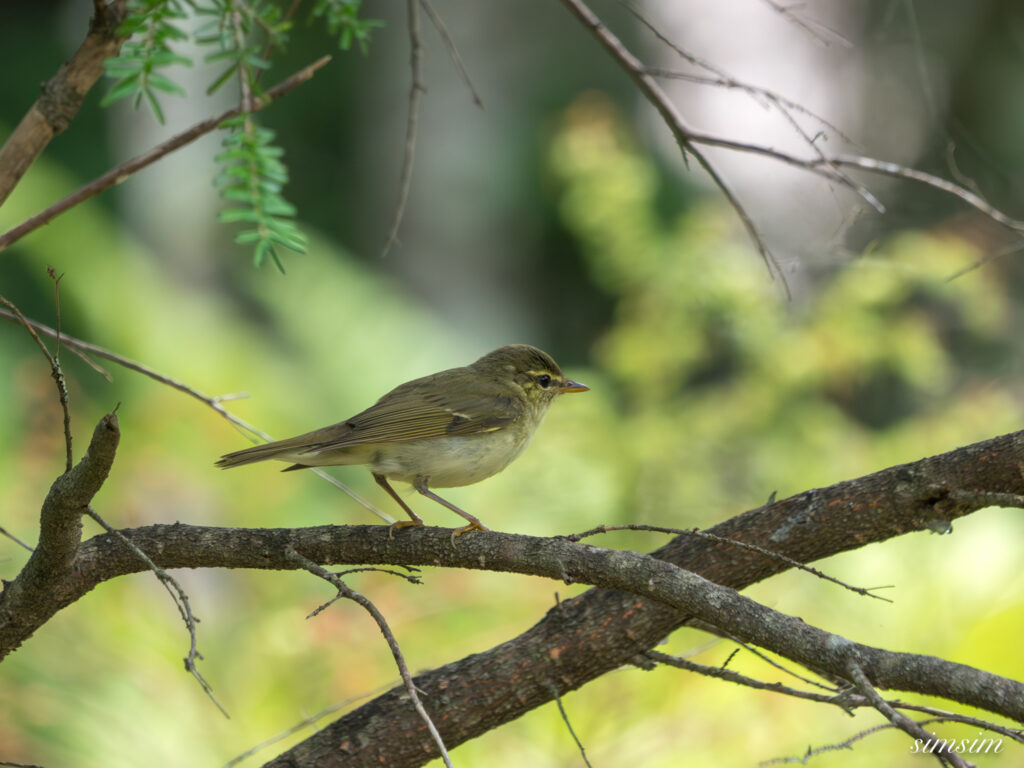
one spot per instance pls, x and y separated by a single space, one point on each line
709 393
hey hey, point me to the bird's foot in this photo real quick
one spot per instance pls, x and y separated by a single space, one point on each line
403 524
476 525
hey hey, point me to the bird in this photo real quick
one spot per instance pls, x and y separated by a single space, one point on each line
449 429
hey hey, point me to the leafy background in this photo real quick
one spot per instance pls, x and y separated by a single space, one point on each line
553 216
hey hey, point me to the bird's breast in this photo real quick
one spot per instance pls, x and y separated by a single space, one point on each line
449 462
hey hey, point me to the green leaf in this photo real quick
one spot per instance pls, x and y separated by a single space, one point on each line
158 113
231 215
247 236
223 78
167 58
126 87
161 83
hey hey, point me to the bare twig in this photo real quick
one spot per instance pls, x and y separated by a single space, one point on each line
683 135
815 29
180 598
59 375
779 666
847 700
55 372
827 166
731 542
814 752
453 51
722 79
126 169
565 719
83 348
735 677
901 721
416 91
15 539
764 96
346 591
988 257
306 722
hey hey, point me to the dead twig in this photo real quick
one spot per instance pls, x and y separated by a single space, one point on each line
347 592
901 721
731 542
649 87
55 372
565 719
453 51
180 598
416 91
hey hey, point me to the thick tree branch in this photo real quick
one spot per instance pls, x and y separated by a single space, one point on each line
603 629
39 591
590 635
62 97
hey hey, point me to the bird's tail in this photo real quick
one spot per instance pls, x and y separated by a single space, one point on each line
264 452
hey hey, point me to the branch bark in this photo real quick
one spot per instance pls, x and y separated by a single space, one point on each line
41 589
62 97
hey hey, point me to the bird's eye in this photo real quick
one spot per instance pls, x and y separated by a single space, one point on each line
544 380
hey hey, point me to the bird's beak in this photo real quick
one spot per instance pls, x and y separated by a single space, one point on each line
571 386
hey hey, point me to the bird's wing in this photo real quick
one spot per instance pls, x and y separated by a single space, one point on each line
406 413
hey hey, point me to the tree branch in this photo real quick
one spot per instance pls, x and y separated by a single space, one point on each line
644 598
38 591
62 97
125 170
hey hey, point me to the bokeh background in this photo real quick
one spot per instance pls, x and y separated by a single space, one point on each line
559 214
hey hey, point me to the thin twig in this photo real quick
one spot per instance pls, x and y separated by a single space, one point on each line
847 700
735 677
416 91
346 591
815 29
15 539
180 598
1009 250
779 666
55 372
755 91
826 168
649 87
732 542
61 383
723 79
901 721
126 169
814 752
84 347
453 51
305 723
565 719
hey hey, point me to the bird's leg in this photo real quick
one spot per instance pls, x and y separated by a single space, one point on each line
414 519
474 525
